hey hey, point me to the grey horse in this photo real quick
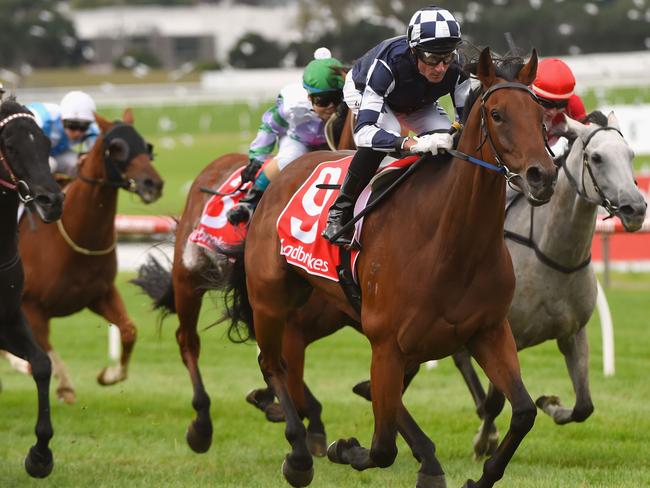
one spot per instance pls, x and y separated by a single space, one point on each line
550 248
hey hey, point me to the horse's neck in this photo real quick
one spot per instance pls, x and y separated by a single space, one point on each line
569 227
9 225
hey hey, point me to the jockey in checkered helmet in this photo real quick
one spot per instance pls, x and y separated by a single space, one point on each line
433 30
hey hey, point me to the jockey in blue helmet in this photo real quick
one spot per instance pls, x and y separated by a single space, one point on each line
297 121
394 88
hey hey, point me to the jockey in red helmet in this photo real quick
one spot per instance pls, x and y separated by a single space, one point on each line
554 86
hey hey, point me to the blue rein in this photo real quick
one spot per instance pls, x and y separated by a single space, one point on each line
473 160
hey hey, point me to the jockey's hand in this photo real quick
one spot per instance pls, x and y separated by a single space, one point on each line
433 143
250 171
560 147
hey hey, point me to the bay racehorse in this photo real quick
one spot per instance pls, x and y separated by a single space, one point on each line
78 255
551 252
25 177
428 290
196 270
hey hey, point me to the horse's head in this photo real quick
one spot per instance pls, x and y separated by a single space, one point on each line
602 171
128 158
24 161
512 125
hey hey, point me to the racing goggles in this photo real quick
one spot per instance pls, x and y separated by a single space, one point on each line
325 99
549 104
79 125
434 59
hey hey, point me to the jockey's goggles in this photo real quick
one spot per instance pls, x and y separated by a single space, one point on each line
433 59
325 99
79 125
549 104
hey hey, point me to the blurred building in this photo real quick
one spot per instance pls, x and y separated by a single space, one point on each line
175 35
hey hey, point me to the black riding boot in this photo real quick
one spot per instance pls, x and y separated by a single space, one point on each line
362 168
243 211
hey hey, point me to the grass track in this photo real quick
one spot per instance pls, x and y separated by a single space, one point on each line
132 434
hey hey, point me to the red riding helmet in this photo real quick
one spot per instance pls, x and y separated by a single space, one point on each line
554 81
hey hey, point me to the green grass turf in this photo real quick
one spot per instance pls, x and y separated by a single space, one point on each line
132 434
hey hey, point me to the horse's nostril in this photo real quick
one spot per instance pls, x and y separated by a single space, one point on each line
534 176
43 200
627 210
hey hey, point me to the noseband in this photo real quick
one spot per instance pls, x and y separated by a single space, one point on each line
604 202
19 186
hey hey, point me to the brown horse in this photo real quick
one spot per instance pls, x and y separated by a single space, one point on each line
72 266
196 270
445 287
25 177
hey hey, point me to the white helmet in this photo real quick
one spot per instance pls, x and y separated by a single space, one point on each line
78 105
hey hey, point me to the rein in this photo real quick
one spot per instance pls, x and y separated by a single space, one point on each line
82 250
19 186
604 202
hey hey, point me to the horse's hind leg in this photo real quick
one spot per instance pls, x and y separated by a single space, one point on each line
495 351
111 307
187 299
576 355
39 461
40 325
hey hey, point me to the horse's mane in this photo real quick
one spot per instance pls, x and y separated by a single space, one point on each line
10 105
596 117
506 67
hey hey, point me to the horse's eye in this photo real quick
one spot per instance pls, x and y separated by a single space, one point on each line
596 158
495 115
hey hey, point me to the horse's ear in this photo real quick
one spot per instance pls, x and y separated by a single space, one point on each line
529 71
575 129
104 124
127 117
485 68
612 121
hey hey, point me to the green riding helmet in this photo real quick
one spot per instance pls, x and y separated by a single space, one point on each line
321 75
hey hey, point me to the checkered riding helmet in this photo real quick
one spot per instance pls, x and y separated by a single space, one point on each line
433 29
554 80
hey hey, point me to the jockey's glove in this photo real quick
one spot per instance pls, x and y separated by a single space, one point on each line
250 171
560 147
433 143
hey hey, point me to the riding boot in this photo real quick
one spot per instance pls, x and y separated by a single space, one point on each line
243 210
362 168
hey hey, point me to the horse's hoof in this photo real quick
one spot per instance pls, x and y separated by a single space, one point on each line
336 449
296 477
111 375
429 481
274 413
198 442
317 444
363 390
545 400
66 394
485 446
39 465
469 484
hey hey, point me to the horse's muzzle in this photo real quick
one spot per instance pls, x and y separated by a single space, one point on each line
149 190
48 205
539 184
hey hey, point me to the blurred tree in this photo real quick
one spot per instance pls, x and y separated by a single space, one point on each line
254 51
38 33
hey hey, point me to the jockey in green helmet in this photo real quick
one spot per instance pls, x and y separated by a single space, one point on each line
296 122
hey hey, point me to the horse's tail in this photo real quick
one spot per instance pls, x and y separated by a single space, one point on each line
156 281
238 308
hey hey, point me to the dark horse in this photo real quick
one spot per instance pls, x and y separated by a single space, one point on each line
25 177
79 259
196 270
445 287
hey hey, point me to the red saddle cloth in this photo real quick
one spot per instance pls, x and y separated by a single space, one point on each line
214 230
305 216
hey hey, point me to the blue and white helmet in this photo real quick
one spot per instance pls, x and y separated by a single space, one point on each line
433 29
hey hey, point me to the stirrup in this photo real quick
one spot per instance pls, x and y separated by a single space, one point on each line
239 214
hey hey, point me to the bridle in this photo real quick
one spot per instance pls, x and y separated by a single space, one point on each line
19 186
501 166
603 201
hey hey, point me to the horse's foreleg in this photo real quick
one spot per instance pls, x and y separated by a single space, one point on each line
298 467
188 307
39 461
111 307
386 381
576 355
40 325
495 351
